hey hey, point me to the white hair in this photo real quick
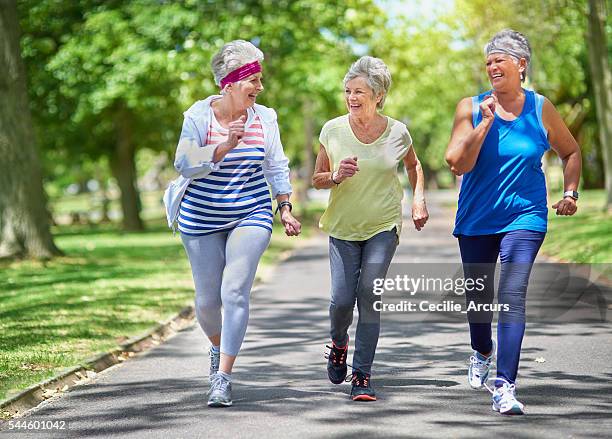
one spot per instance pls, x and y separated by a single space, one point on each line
233 55
511 43
375 73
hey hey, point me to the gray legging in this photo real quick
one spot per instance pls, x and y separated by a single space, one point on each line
223 266
354 266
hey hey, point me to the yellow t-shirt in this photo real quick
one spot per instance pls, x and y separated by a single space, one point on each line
370 201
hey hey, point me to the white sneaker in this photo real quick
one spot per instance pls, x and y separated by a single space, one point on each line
504 400
220 393
479 368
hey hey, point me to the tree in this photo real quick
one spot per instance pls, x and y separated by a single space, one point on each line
24 219
602 86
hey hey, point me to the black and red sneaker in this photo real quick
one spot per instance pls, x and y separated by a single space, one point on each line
336 363
361 389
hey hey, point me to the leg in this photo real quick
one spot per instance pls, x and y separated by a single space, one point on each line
207 258
244 248
518 251
479 256
377 254
345 260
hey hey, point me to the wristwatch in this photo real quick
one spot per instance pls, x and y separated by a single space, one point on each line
335 173
572 194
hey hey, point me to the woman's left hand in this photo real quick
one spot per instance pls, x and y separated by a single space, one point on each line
292 226
566 206
419 214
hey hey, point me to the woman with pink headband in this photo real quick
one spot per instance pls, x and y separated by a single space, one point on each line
228 155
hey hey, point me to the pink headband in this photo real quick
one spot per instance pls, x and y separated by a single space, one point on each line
240 73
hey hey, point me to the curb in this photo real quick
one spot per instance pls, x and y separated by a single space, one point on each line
77 375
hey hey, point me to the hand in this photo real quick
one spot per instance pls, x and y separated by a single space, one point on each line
487 108
348 167
292 226
567 206
419 214
236 131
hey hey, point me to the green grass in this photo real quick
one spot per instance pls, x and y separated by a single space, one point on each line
109 287
585 237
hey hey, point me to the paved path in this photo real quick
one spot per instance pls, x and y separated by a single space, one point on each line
281 388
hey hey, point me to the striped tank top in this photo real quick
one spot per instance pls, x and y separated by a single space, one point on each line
236 195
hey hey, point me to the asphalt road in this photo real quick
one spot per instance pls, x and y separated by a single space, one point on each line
280 384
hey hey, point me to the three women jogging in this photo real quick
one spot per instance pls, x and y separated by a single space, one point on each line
230 156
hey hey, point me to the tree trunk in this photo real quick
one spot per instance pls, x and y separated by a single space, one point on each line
24 219
602 86
123 167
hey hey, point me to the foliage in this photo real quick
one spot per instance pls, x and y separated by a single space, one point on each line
90 59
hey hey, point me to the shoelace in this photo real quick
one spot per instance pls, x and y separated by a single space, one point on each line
508 389
327 355
218 383
331 352
481 365
359 379
336 354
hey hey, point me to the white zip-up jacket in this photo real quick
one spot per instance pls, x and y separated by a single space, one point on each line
193 161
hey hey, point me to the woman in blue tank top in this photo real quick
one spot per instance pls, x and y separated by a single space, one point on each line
497 144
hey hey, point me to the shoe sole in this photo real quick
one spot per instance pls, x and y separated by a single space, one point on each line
514 411
336 382
364 398
220 404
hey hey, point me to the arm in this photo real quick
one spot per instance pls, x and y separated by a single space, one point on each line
566 147
192 159
417 182
235 133
276 171
276 165
292 225
466 141
321 179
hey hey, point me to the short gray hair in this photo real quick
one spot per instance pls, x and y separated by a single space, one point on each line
376 74
511 43
233 55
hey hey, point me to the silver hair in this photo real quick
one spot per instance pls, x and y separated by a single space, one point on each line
233 55
511 43
376 74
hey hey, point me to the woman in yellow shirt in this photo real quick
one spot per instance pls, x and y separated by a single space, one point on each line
358 161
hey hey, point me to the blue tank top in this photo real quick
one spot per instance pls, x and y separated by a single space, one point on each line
506 189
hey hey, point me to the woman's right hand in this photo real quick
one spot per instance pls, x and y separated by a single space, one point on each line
348 167
487 108
236 132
